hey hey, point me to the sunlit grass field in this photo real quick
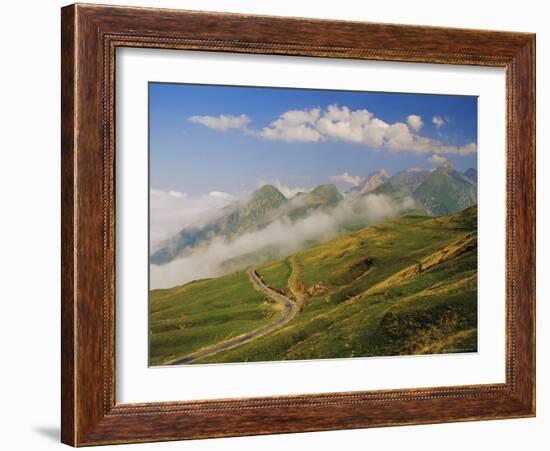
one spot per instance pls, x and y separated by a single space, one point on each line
186 318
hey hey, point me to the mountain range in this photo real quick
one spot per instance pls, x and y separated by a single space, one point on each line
264 206
433 192
438 192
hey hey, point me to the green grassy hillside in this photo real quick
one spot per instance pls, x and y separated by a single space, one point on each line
407 286
186 318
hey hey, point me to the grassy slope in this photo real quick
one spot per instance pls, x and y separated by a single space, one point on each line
186 318
276 274
377 302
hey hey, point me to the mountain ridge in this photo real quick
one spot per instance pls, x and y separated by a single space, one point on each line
445 191
373 181
265 205
435 192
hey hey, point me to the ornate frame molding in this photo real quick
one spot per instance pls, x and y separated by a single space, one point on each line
90 36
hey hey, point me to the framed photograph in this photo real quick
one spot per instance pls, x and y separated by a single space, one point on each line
279 225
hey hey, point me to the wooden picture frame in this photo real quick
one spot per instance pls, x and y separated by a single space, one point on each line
90 36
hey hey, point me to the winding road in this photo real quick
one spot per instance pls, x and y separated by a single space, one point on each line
289 309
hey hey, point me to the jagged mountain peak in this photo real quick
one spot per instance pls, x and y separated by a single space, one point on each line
260 208
445 191
373 181
405 181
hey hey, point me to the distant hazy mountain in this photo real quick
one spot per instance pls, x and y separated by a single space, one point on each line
403 184
259 210
410 179
323 196
437 192
372 182
445 191
266 204
471 175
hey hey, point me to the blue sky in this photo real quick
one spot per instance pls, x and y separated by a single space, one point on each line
231 139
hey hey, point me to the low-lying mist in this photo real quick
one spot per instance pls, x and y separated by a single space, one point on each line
172 211
282 237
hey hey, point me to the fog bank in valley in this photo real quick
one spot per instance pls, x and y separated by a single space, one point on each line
171 211
281 236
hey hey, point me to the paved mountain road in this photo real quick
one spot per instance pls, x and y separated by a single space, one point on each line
289 309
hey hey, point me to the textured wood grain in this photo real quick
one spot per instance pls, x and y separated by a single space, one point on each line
68 146
90 36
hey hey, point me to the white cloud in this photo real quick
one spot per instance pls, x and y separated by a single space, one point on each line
173 210
415 122
294 126
171 193
222 122
342 124
359 126
177 194
461 150
437 159
438 121
345 177
221 195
